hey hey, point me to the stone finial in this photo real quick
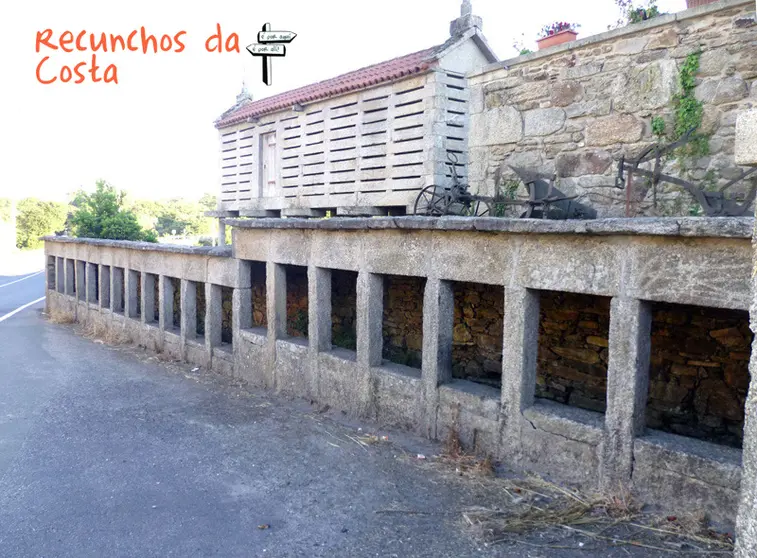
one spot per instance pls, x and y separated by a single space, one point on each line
244 95
466 20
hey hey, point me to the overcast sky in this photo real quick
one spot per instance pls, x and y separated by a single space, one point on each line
153 134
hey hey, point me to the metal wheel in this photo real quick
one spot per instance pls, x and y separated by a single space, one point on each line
479 208
432 201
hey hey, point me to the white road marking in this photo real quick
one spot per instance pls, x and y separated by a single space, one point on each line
17 310
22 279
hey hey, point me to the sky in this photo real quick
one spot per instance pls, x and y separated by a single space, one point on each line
152 133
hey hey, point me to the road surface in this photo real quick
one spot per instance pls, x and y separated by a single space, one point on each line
106 452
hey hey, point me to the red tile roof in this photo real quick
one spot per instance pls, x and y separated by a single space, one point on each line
396 68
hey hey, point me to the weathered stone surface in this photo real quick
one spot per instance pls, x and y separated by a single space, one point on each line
566 93
579 164
581 71
597 107
496 126
647 87
666 39
633 45
617 128
711 116
746 138
543 122
720 91
713 62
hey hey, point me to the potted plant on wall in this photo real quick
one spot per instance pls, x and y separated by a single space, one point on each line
557 33
697 3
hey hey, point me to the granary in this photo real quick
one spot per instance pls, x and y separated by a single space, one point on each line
365 142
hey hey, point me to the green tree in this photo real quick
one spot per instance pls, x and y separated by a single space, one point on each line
103 214
208 202
36 218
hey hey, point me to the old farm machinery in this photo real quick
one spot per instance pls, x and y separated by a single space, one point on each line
544 200
715 203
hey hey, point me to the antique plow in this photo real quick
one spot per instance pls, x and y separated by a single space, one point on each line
544 199
714 203
436 201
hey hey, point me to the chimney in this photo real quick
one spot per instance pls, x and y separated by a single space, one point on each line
466 21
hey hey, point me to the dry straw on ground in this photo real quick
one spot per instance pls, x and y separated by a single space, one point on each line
61 317
535 504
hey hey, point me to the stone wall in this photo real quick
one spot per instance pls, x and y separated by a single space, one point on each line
699 372
226 314
200 307
573 340
344 309
477 333
176 284
257 277
297 301
576 109
403 319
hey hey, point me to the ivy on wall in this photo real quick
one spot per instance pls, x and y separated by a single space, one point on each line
688 111
687 116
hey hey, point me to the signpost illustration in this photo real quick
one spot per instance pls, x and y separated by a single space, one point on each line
270 43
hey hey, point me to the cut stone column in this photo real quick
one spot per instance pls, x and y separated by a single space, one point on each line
70 277
131 307
148 298
276 298
221 233
319 308
81 285
165 296
116 289
188 300
104 286
627 384
213 315
520 344
276 310
370 309
241 311
91 283
438 321
369 322
746 523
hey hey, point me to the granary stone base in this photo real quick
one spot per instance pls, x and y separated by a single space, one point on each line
284 264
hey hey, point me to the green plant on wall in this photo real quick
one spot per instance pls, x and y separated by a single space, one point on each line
300 323
658 126
504 190
688 112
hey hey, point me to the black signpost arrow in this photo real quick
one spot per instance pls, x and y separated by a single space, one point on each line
270 43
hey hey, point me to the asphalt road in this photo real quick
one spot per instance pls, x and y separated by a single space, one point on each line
107 452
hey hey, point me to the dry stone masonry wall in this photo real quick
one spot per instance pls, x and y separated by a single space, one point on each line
699 372
577 110
477 333
573 349
403 319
